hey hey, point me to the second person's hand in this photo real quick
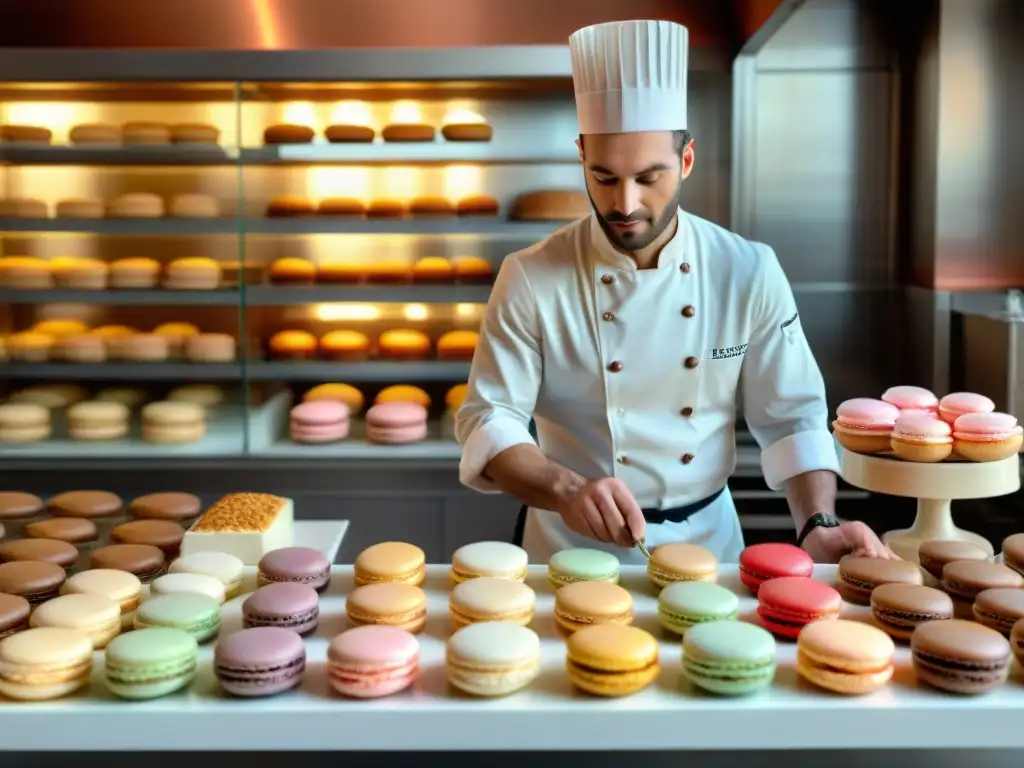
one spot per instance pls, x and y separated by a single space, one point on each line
605 510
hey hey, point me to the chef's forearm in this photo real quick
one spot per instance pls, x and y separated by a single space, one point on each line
809 494
527 474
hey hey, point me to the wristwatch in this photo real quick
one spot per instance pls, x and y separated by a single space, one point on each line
820 520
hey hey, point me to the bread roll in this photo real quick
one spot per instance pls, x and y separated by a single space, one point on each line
95 133
432 206
551 205
137 205
290 205
349 134
287 133
477 205
432 269
144 132
84 208
387 209
194 133
292 271
33 134
23 208
472 269
341 206
467 132
340 271
194 206
409 132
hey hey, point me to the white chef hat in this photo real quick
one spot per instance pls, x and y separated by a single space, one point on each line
630 76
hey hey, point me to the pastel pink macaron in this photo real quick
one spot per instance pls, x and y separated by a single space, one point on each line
957 404
912 398
372 661
319 421
394 423
987 436
921 436
864 425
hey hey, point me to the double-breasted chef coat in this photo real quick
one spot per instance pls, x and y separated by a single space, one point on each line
635 374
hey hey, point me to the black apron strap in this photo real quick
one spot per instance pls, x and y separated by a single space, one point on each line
517 535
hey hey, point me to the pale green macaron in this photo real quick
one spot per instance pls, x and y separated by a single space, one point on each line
199 615
729 657
685 604
581 564
149 663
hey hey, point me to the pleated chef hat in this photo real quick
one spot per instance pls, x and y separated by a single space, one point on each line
630 76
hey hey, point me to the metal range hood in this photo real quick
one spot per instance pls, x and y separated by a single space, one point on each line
718 28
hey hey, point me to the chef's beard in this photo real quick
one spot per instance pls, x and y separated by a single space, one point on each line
630 241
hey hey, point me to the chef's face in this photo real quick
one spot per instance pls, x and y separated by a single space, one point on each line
635 181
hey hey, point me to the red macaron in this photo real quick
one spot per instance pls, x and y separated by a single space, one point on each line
787 604
762 562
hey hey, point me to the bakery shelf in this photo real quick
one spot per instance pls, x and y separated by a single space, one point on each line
494 226
172 227
427 153
155 297
277 295
176 371
377 371
171 154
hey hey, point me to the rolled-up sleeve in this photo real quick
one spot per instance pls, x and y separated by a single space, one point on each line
783 390
504 380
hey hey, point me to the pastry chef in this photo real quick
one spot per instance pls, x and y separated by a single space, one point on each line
627 337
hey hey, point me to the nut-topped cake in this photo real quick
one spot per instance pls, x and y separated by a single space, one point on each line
247 525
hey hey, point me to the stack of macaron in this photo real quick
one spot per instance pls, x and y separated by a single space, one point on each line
349 345
292 271
915 425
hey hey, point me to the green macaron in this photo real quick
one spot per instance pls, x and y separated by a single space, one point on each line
688 603
729 657
581 564
199 615
149 663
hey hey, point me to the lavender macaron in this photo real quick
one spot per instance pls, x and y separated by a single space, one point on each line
286 604
262 661
301 565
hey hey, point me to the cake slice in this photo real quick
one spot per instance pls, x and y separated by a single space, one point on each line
246 525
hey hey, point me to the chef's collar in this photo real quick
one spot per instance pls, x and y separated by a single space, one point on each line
671 255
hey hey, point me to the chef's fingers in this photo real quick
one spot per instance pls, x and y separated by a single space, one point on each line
632 514
596 520
612 518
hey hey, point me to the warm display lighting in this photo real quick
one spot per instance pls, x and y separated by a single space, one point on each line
57 116
462 115
337 312
301 113
352 113
402 183
406 112
468 311
327 181
415 312
462 180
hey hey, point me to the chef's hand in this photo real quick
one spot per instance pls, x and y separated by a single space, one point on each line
605 510
827 545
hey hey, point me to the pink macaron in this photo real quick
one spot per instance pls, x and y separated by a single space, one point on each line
372 661
921 436
911 398
863 425
957 404
319 421
987 436
396 423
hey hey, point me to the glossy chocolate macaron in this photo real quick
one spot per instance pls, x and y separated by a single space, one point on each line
964 580
934 555
900 608
859 576
142 560
14 614
36 582
16 505
181 508
42 550
999 609
73 530
960 656
166 535
92 505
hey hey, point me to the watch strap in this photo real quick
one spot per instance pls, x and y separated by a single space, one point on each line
819 520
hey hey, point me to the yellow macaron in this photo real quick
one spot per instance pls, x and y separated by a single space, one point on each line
612 659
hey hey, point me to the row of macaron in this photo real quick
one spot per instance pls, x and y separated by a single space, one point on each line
161 422
916 425
193 273
350 345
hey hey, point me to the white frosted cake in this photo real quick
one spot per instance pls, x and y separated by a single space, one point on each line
246 525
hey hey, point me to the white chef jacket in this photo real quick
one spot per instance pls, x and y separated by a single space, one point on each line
635 374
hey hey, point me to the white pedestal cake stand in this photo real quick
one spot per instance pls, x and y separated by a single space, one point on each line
934 486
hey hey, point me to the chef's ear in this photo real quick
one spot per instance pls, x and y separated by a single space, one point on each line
579 146
688 159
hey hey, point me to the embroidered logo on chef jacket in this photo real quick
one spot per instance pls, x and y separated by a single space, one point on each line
724 353
789 328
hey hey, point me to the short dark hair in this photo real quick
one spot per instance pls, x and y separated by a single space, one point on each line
680 140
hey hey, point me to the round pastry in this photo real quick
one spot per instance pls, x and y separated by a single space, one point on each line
137 205
344 393
64 326
349 134
344 345
408 132
404 343
319 421
342 206
290 205
86 348
193 206
396 423
29 346
911 398
392 271
292 271
467 132
477 205
95 133
457 345
206 395
864 425
432 206
177 335
168 423
403 393
987 436
25 272
472 269
288 133
211 348
24 423
92 420
51 396
134 273
432 269
144 348
35 134
387 209
194 133
23 208
955 405
129 397
551 205
196 273
340 271
293 345
84 208
81 274
921 436
143 132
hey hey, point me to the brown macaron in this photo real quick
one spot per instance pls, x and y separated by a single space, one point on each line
14 614
92 505
1017 641
1013 552
182 508
73 530
900 608
964 580
858 576
40 550
35 581
143 560
166 535
15 505
960 656
933 555
999 609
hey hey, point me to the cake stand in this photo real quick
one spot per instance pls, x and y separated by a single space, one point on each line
934 486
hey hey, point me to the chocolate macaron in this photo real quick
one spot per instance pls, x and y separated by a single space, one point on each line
1013 552
73 530
40 550
933 555
900 608
964 580
92 505
181 508
143 560
859 576
999 609
14 614
960 656
166 535
16 509
35 581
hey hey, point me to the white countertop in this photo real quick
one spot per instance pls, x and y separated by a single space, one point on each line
323 535
549 715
